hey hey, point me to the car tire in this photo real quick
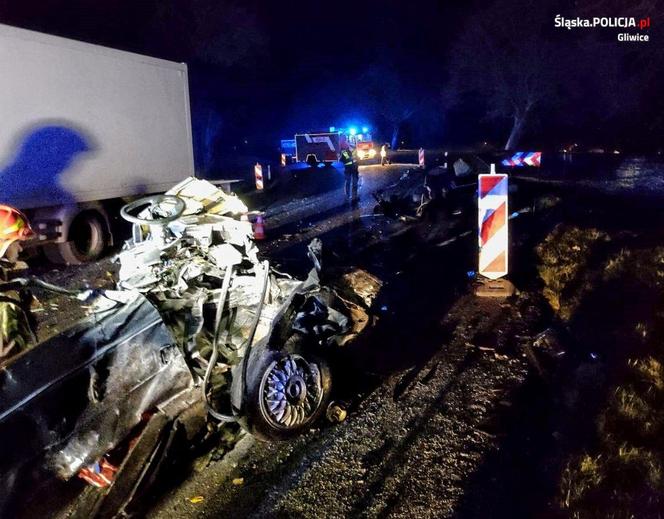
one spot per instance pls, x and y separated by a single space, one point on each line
88 240
287 391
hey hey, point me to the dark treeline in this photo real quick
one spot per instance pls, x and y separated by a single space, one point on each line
428 73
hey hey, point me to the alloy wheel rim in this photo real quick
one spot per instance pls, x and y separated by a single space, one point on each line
291 392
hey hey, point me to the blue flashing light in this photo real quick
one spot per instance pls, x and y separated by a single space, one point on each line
353 131
333 128
365 129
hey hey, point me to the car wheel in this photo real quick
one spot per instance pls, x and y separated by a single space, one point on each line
287 391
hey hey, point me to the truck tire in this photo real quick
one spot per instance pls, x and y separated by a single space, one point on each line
287 391
88 238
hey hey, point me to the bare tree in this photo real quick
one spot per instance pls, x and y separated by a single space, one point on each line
210 36
621 80
511 59
224 32
502 59
206 133
389 98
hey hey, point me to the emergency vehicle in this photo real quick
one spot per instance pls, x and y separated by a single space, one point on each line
316 147
287 149
361 142
365 150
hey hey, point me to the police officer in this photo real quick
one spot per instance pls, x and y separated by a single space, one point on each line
351 173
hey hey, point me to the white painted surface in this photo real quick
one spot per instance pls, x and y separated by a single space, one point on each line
131 111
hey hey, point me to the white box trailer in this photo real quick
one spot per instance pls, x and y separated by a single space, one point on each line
82 125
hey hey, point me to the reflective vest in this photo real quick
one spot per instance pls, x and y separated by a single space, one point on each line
15 331
346 158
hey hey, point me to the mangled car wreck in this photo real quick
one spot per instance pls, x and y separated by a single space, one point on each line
198 330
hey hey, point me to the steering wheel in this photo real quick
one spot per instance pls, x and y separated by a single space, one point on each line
153 201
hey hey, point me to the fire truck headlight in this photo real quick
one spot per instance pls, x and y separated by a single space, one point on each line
360 154
372 153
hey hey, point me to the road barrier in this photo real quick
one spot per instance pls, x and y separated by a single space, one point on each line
524 158
259 228
258 173
420 157
492 220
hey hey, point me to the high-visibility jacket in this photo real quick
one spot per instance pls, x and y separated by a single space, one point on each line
15 332
14 329
346 158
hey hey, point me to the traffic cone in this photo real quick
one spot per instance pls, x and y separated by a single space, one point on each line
259 228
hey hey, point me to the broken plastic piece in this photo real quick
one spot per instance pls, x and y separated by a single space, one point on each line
100 474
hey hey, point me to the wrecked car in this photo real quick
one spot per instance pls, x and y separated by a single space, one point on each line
198 323
448 183
194 258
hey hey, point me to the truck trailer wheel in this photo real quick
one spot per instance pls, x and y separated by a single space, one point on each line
87 241
288 390
312 160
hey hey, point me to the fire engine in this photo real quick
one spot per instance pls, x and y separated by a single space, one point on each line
362 142
314 148
325 147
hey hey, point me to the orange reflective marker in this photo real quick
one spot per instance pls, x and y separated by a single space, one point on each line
258 173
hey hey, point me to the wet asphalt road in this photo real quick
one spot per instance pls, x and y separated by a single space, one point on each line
454 425
305 217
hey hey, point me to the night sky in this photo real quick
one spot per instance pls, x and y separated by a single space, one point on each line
268 69
300 37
